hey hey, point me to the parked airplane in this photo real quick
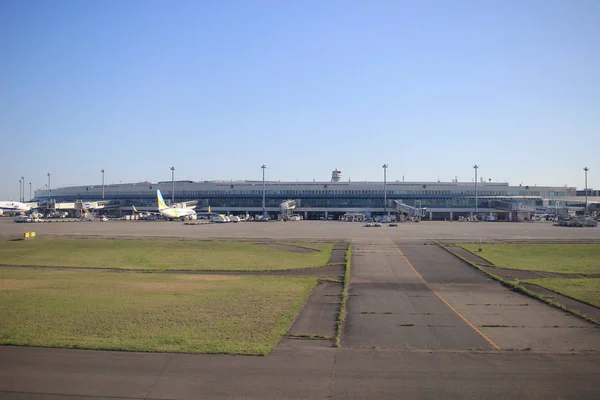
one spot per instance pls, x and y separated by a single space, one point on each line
13 207
173 212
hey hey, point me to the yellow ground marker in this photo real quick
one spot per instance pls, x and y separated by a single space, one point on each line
483 335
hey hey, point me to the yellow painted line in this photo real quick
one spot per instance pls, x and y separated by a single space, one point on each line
483 335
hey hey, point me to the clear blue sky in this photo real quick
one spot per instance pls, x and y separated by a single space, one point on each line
218 88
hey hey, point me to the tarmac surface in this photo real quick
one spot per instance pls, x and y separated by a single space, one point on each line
512 274
418 296
317 230
421 324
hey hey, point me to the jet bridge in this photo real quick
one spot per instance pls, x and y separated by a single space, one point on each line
286 208
53 205
410 211
94 205
186 204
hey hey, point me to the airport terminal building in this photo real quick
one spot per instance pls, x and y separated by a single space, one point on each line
331 199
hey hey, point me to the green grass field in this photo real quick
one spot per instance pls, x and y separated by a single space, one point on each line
585 289
562 258
146 254
148 312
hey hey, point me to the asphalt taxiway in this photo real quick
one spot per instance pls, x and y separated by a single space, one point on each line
421 324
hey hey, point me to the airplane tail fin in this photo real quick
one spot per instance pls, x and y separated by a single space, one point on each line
161 201
134 209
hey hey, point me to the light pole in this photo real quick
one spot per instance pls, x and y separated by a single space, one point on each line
20 190
102 170
173 186
49 189
30 192
476 200
23 196
264 190
586 169
384 166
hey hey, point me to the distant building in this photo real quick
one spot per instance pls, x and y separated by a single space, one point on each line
322 200
590 192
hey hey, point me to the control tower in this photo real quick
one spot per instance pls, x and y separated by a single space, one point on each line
336 175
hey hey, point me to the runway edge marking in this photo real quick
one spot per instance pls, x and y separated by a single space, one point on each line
483 335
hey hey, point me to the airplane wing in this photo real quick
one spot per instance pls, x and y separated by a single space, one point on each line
135 210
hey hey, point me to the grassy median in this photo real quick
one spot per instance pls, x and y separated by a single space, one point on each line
148 312
561 258
557 258
156 254
583 289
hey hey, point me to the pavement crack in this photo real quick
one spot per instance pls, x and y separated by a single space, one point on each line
309 337
330 394
162 369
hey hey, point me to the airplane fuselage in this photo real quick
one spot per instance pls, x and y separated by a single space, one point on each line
13 207
176 213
